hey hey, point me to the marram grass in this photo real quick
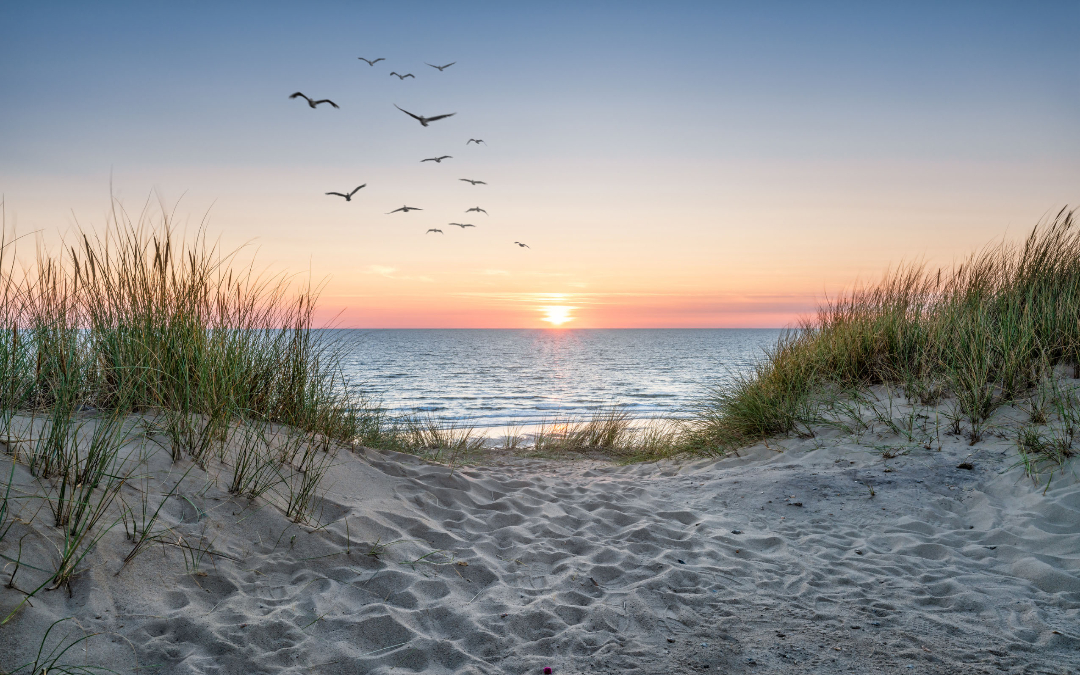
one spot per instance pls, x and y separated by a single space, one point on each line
977 336
134 319
134 326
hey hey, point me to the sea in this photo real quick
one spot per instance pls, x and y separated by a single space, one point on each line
497 378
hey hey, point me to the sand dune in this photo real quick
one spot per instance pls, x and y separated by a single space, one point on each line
778 560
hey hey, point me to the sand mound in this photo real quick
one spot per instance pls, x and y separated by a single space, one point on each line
772 561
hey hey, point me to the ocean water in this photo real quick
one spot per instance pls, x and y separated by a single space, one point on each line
490 378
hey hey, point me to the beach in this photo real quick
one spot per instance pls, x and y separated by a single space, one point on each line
801 555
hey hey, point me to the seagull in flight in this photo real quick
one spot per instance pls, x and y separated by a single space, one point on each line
434 230
522 245
440 68
348 197
314 103
463 225
437 160
420 118
370 63
405 209
402 77
477 209
474 182
478 141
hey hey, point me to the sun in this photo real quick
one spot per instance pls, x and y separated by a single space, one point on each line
557 315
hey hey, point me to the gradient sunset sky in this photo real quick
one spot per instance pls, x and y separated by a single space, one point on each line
674 164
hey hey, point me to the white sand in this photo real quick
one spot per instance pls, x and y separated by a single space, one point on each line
588 567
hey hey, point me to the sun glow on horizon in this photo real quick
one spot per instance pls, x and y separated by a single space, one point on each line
557 315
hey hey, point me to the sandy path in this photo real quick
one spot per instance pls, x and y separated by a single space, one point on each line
772 562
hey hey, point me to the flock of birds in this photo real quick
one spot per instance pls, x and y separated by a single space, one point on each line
424 121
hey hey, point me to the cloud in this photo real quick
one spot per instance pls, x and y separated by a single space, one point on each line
493 272
388 272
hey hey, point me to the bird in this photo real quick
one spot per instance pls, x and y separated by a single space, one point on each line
406 209
314 103
370 63
478 141
420 118
462 225
522 245
474 182
402 77
440 68
348 197
434 230
478 209
437 160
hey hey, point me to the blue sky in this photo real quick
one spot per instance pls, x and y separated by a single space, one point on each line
666 161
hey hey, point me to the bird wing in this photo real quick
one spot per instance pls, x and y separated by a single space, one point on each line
301 95
357 189
448 65
364 60
468 225
482 210
393 74
377 60
478 182
465 179
439 117
396 210
429 159
326 100
428 64
336 193
446 157
415 117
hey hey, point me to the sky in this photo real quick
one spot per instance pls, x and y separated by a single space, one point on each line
676 164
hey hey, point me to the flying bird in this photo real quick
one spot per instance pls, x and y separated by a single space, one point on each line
478 141
437 160
440 68
420 118
434 230
348 197
522 245
314 103
402 77
370 63
474 182
462 225
405 209
478 209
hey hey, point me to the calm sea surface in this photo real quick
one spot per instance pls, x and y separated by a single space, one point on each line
495 377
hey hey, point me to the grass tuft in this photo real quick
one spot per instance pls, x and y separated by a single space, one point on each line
979 336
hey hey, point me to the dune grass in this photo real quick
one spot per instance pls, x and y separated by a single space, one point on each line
609 431
983 334
134 319
136 330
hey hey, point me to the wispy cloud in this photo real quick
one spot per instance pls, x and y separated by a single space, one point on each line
381 270
388 272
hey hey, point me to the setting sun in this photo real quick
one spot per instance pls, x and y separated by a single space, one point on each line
557 315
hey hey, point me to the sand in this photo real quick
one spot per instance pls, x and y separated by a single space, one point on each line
778 560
